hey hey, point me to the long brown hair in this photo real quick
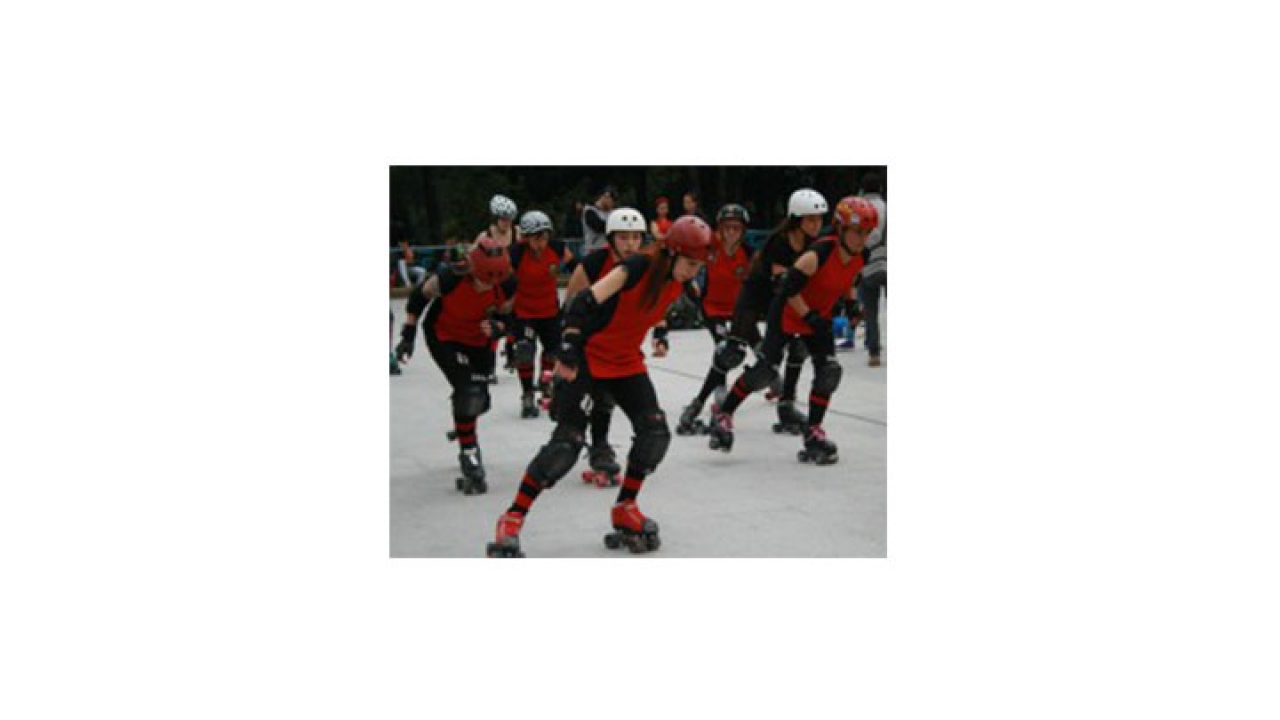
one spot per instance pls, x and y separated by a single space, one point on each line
660 263
783 228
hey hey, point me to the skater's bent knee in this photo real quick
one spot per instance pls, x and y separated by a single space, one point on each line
470 400
653 437
557 457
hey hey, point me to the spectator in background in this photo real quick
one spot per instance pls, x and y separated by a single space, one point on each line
658 226
594 218
690 204
875 273
406 263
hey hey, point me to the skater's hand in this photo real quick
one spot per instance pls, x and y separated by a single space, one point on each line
817 322
565 372
404 350
494 329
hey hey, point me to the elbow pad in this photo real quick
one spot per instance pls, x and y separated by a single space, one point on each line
794 283
579 307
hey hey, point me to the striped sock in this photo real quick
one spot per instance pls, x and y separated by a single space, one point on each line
737 394
630 484
466 429
818 408
528 492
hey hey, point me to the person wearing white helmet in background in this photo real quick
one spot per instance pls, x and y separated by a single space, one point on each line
806 210
502 230
624 233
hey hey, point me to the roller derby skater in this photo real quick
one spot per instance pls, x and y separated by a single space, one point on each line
536 261
502 230
875 275
810 292
805 212
727 267
604 328
395 366
621 241
466 312
604 467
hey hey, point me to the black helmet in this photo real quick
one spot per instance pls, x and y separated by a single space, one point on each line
733 211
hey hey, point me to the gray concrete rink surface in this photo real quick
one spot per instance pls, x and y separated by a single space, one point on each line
757 501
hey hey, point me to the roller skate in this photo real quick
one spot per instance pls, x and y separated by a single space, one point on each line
472 480
721 430
604 467
395 366
506 543
817 448
528 408
689 423
632 529
790 420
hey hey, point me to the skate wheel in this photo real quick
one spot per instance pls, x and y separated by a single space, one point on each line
612 541
458 483
802 456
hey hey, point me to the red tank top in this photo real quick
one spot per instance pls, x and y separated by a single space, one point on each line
462 310
614 350
725 274
536 277
664 224
832 281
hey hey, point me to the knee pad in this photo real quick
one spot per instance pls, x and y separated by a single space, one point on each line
653 437
522 353
556 457
827 378
602 403
730 353
471 400
758 376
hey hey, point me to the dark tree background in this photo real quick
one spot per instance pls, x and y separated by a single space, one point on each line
438 202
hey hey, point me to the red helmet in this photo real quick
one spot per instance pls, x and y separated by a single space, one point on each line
490 262
689 236
855 212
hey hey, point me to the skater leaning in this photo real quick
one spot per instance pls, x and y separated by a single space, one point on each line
604 328
805 212
466 312
503 231
812 289
624 231
536 263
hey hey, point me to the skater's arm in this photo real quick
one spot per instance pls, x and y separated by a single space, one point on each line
797 277
577 281
422 294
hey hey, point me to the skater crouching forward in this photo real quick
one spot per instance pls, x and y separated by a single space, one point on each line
467 312
604 327
803 308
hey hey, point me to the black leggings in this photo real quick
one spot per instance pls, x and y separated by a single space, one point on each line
539 330
467 368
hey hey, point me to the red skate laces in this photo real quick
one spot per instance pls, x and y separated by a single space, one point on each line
816 433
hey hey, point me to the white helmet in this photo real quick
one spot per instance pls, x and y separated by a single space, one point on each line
534 222
806 202
503 207
624 219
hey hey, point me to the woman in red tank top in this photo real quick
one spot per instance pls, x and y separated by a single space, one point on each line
604 329
466 312
821 276
536 262
727 267
661 224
